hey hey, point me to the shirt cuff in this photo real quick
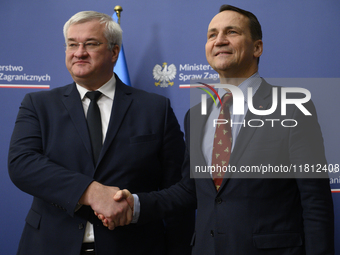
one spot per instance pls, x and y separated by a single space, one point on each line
136 209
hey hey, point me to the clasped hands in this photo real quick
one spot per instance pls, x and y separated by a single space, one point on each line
114 207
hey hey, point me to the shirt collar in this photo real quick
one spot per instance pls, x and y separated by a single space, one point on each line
108 89
253 81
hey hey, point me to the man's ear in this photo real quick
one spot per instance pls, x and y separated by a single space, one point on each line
115 53
258 48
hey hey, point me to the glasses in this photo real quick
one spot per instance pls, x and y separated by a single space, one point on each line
88 46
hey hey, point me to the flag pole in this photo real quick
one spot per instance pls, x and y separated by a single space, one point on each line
121 67
118 9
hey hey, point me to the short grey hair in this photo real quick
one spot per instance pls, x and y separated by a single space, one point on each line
113 32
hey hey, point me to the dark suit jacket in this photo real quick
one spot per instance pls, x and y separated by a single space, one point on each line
256 215
50 158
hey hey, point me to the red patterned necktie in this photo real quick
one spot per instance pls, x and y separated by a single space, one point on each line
222 142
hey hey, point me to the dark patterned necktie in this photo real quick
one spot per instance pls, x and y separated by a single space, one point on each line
94 124
222 142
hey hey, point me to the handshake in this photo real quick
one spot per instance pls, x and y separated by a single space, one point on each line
114 207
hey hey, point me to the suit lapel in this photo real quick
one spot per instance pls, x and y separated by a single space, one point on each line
121 103
261 100
198 123
73 104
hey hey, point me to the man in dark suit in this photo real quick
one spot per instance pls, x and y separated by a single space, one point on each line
54 157
249 213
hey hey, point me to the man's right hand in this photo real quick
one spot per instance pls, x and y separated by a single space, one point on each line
120 196
124 194
101 199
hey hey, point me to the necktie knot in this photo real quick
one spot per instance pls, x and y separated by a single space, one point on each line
93 95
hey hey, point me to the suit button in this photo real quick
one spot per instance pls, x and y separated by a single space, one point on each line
81 226
212 233
218 200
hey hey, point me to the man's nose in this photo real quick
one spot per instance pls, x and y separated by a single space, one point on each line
81 51
221 39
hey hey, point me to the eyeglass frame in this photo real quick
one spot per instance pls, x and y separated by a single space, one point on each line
84 45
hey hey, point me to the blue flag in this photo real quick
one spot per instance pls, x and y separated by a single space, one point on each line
121 68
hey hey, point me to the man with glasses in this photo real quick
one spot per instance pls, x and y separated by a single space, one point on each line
73 145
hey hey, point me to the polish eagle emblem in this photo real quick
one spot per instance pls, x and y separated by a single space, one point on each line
164 76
